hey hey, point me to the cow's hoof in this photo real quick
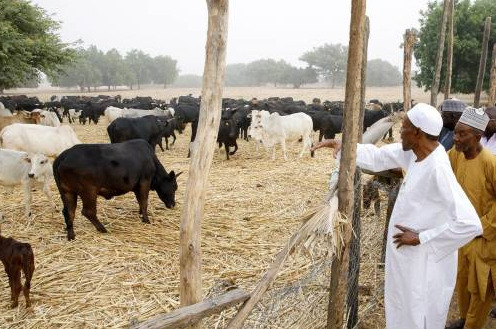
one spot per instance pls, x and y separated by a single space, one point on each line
146 221
102 229
14 304
70 236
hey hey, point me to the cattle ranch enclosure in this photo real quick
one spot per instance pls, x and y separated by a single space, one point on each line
253 206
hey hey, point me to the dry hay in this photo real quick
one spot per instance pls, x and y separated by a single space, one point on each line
105 280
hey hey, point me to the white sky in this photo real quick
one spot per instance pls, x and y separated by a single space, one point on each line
278 29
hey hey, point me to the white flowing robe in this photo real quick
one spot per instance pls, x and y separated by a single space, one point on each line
420 279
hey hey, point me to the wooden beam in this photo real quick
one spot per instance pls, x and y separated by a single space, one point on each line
482 63
189 315
408 41
347 165
492 82
449 51
202 150
439 55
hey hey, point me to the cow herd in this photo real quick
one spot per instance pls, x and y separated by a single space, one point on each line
33 132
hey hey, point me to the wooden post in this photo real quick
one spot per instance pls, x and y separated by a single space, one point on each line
492 82
439 55
352 104
190 291
482 64
449 53
408 41
354 264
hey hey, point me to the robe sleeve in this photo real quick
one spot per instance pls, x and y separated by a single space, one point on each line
489 219
463 223
377 159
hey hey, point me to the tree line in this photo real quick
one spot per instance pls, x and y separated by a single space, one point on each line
94 68
30 46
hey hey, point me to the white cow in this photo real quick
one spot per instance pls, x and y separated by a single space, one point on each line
49 119
38 139
74 114
4 112
137 113
275 129
112 113
19 168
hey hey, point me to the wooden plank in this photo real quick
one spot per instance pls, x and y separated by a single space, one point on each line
189 315
202 151
482 63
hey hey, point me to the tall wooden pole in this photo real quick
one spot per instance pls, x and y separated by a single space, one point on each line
449 53
354 264
482 64
408 41
190 291
439 55
352 105
492 82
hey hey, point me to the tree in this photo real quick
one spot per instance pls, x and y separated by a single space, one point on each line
140 66
29 44
164 71
468 29
381 73
329 60
299 76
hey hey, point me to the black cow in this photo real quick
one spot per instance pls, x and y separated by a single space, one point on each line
108 170
228 131
150 128
168 131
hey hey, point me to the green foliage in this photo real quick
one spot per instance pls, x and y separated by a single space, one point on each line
94 68
330 60
468 31
381 73
28 44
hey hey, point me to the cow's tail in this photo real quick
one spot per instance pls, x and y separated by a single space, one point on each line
27 263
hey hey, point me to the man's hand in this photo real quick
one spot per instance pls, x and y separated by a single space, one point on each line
407 237
333 143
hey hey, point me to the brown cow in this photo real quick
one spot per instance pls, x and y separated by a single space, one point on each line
16 257
21 117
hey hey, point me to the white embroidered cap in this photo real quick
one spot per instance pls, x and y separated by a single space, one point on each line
476 118
427 118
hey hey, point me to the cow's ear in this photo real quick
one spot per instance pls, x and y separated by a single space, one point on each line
27 159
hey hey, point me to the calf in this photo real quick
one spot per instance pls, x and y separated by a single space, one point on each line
108 170
227 134
16 257
38 139
19 168
168 131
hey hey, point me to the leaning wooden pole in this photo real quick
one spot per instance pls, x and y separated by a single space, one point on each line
409 40
354 264
482 63
492 81
202 150
439 55
449 51
339 268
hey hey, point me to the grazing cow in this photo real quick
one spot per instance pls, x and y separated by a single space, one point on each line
16 257
276 129
38 139
137 113
112 113
108 170
149 128
19 168
74 115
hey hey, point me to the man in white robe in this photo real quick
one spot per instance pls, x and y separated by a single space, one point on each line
431 220
488 140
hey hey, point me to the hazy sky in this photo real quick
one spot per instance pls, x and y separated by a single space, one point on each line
279 29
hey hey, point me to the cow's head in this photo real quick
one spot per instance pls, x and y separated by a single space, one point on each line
40 167
166 187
